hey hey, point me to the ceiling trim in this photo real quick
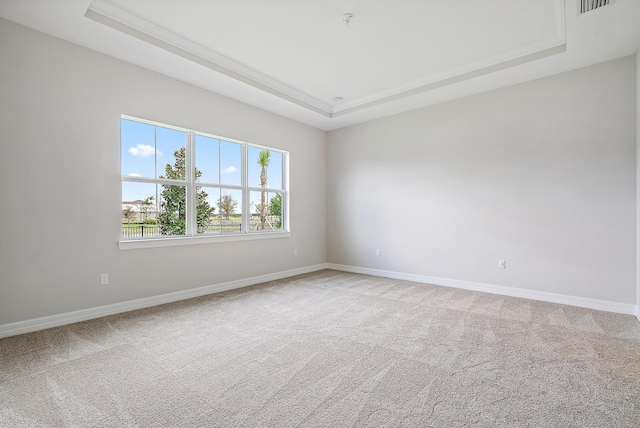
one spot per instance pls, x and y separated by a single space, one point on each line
104 12
120 20
455 79
519 56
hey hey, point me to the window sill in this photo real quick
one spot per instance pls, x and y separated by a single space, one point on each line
194 240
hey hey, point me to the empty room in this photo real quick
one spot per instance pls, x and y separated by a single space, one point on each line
337 213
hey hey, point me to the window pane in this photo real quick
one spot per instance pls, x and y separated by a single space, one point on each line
275 211
227 217
137 149
274 172
230 161
139 210
208 218
272 219
208 159
255 167
172 213
273 168
170 153
230 210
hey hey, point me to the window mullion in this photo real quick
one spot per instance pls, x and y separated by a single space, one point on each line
244 180
266 189
190 162
160 181
284 209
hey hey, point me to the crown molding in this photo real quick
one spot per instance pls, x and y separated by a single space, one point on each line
125 22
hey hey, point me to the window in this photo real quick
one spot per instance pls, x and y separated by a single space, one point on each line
183 183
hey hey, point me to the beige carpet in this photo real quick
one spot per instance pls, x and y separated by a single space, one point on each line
330 349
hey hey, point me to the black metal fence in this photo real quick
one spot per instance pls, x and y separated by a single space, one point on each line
152 230
139 230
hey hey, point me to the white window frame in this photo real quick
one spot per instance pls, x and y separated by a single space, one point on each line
192 237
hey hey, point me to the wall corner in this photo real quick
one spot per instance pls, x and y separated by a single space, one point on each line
638 185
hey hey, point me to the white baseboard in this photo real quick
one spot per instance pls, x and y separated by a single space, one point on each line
42 323
582 302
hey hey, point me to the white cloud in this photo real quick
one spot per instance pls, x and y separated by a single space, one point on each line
134 174
144 150
229 169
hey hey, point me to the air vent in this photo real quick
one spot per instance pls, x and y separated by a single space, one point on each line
585 6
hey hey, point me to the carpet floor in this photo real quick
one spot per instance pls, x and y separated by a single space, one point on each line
330 349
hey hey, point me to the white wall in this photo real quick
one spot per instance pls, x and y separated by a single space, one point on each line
60 107
541 174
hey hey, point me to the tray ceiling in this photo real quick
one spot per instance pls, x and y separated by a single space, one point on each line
298 59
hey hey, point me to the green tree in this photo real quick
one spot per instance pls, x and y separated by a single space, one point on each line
145 207
128 214
275 209
173 208
263 160
227 206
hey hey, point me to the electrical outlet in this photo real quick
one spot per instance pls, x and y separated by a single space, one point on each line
378 253
104 279
502 264
295 252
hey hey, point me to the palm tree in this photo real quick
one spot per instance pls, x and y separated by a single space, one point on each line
263 160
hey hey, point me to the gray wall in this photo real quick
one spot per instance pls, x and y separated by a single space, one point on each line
541 174
60 107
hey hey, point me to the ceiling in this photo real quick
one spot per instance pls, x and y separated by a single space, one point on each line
298 59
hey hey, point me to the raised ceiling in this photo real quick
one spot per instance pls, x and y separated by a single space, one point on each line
297 59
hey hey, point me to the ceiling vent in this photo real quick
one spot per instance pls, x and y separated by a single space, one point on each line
585 6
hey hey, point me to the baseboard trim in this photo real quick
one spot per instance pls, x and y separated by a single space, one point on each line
582 302
28 326
36 324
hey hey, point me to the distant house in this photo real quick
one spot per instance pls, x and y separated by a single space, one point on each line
137 206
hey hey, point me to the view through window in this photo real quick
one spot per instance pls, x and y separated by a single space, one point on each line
179 182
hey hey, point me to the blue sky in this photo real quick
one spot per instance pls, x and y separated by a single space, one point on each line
146 149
